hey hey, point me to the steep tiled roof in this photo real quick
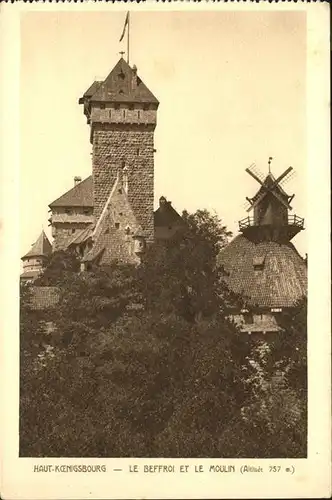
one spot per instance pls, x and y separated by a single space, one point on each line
80 195
109 237
268 274
81 236
166 215
117 87
42 247
91 90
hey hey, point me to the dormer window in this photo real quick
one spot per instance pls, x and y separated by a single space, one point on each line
258 262
121 75
248 318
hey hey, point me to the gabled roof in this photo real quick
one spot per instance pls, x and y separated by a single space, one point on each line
279 279
80 237
108 239
166 215
118 87
41 248
80 195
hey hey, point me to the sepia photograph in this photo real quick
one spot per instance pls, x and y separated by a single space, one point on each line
165 257
164 261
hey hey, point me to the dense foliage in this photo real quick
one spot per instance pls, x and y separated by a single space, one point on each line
141 361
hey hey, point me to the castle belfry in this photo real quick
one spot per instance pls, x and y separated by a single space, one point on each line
261 264
109 216
122 114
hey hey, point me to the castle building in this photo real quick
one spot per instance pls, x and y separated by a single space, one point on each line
34 261
110 215
72 212
261 264
167 222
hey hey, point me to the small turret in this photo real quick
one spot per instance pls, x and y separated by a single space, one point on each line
34 261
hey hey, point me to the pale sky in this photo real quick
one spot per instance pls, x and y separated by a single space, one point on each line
231 87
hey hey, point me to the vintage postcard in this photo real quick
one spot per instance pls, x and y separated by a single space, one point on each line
165 250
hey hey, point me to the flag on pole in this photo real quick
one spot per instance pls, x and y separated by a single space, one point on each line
125 26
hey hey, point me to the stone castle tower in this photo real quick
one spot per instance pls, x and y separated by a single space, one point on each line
109 216
122 113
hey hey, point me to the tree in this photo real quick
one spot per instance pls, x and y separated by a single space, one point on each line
145 363
59 265
182 275
278 389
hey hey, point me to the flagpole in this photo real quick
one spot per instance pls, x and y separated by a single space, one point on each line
128 37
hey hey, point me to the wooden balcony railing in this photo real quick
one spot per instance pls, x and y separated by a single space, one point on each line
293 220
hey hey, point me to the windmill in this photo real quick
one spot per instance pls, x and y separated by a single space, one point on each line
261 264
270 185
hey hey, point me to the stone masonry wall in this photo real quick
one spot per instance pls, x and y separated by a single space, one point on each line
123 114
116 146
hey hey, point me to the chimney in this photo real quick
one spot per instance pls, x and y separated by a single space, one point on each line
162 201
134 77
77 180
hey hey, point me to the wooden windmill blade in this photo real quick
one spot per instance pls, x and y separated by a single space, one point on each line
255 203
276 183
261 182
282 176
288 178
281 199
250 172
274 193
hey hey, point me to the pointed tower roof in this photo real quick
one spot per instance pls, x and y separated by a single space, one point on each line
166 215
121 85
80 195
41 248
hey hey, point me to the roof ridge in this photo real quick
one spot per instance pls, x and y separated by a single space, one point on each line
82 191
